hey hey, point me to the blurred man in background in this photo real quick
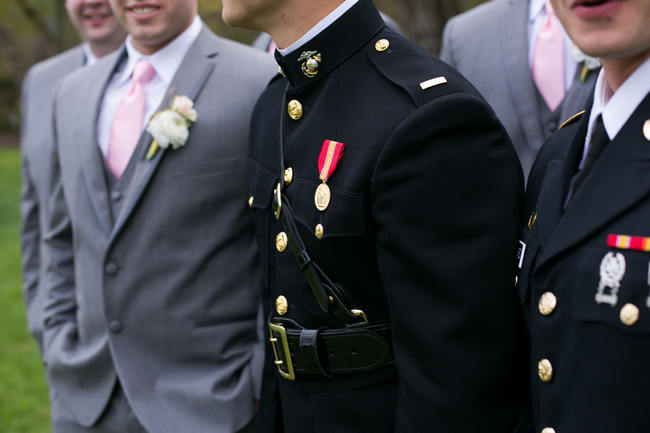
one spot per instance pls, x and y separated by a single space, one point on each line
101 34
518 56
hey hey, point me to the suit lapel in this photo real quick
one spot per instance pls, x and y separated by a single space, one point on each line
92 157
617 181
515 59
191 76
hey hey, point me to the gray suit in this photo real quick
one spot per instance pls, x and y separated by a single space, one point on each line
489 46
162 295
39 87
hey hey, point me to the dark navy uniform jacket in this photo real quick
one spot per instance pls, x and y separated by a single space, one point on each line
589 358
421 229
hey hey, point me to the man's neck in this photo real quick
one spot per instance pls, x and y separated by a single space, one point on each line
617 70
292 24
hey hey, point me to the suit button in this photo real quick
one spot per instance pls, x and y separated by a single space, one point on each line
545 370
116 195
547 303
281 241
319 231
115 326
281 305
548 430
111 268
295 109
629 314
532 220
250 201
288 176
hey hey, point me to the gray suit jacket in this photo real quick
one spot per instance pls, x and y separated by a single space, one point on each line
489 46
39 87
165 297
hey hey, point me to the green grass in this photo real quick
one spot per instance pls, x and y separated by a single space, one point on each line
24 403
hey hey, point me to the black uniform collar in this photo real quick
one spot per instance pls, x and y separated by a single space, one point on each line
334 44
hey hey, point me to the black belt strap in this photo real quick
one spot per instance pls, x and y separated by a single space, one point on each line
328 352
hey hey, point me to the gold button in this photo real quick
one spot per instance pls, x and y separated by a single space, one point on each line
516 281
288 176
532 220
547 303
281 241
545 370
382 45
295 109
629 314
646 129
319 231
281 305
548 430
250 201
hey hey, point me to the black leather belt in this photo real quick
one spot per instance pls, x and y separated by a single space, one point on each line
328 352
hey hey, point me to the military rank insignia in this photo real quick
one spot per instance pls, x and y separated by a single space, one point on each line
330 154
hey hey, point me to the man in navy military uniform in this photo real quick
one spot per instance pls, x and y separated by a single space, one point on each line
585 251
386 197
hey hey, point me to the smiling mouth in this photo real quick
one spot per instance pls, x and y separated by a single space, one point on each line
591 3
143 10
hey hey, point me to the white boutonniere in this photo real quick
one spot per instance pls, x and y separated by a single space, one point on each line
171 127
589 63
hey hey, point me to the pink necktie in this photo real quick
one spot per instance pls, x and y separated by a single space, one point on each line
272 47
548 59
127 123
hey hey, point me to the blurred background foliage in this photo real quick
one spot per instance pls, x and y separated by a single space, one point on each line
32 30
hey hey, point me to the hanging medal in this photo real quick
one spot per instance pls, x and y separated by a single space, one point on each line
330 154
612 271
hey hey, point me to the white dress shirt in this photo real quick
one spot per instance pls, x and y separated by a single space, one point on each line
165 62
322 25
90 57
617 108
537 17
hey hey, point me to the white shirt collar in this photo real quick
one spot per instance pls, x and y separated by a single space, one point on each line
166 60
535 7
617 109
88 53
322 25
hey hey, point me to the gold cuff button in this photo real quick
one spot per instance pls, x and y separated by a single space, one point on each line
629 314
545 370
532 220
281 305
250 201
295 109
548 430
547 303
319 231
382 45
281 242
288 176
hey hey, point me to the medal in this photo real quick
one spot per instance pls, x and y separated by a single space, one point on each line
612 270
625 242
330 154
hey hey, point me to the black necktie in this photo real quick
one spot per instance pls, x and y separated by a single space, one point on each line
599 140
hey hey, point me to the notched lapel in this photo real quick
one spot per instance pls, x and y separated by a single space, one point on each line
190 78
515 58
617 181
92 156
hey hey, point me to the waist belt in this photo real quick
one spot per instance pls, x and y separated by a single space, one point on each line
328 352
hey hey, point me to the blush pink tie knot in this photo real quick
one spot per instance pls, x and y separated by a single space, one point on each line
548 59
127 123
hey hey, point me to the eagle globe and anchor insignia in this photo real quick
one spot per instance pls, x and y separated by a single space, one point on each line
310 63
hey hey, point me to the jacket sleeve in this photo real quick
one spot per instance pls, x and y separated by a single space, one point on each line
59 285
446 195
30 230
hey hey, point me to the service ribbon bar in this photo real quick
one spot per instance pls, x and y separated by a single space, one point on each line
624 242
329 157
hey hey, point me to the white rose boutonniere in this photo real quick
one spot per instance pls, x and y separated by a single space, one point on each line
589 63
171 127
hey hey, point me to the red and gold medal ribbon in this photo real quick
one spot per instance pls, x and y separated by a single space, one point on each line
624 242
329 157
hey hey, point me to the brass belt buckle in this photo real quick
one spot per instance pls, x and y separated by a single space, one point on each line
281 352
